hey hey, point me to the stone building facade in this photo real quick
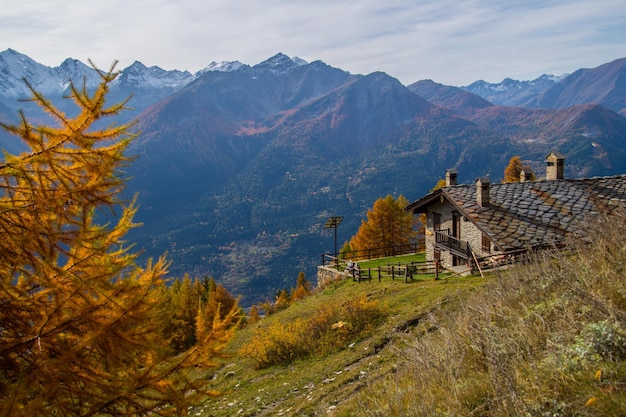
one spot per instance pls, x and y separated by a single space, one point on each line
471 222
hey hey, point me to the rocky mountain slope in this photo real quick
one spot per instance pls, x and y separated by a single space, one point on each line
511 92
605 85
239 166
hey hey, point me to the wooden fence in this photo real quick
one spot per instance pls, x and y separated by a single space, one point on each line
375 253
400 271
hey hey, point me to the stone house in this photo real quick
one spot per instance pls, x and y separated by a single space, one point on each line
467 224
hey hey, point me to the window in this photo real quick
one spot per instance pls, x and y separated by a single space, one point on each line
436 221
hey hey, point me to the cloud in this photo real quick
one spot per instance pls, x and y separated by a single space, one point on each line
453 42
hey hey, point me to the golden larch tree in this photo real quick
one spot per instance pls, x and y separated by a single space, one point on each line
78 334
303 288
387 225
514 169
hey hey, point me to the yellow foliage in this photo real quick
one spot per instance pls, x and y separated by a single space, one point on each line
513 171
253 315
387 225
591 401
80 332
598 375
303 288
328 328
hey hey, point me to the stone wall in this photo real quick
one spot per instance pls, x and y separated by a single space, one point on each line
327 275
468 232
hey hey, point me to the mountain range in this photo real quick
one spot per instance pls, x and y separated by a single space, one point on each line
239 166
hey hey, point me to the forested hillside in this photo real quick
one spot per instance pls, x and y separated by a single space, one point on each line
239 171
238 167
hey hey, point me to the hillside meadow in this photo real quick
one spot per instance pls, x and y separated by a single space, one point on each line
546 338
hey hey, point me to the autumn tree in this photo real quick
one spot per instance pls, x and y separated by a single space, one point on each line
514 169
178 315
216 302
387 225
441 183
303 288
254 315
345 250
282 299
78 328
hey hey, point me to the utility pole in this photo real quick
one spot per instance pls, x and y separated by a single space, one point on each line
333 222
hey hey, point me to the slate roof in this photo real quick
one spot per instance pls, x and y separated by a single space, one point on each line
529 214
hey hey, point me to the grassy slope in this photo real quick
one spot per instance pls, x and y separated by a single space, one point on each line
315 385
544 339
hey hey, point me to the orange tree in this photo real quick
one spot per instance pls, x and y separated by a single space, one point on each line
387 224
78 334
514 169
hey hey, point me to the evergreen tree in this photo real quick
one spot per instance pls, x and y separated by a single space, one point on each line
219 303
79 333
179 314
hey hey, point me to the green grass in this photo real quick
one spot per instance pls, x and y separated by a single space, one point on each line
393 260
317 384
546 338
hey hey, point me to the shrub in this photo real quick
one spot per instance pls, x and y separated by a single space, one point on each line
327 329
598 341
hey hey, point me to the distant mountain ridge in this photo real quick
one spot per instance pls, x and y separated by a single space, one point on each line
239 166
511 92
604 85
14 67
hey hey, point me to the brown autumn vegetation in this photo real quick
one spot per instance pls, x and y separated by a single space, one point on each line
283 298
542 339
79 331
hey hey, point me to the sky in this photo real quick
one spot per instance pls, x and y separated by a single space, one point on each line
450 42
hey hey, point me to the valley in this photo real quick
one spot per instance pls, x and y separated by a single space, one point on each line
237 171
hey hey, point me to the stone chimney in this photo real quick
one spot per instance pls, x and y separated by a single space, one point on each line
522 176
555 166
482 191
451 176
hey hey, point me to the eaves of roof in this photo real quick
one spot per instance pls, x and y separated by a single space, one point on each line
531 214
439 196
421 205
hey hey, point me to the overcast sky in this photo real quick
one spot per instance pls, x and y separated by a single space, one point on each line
451 42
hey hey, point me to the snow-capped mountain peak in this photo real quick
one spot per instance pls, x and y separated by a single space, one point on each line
16 67
139 75
512 92
223 66
299 61
74 70
280 64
